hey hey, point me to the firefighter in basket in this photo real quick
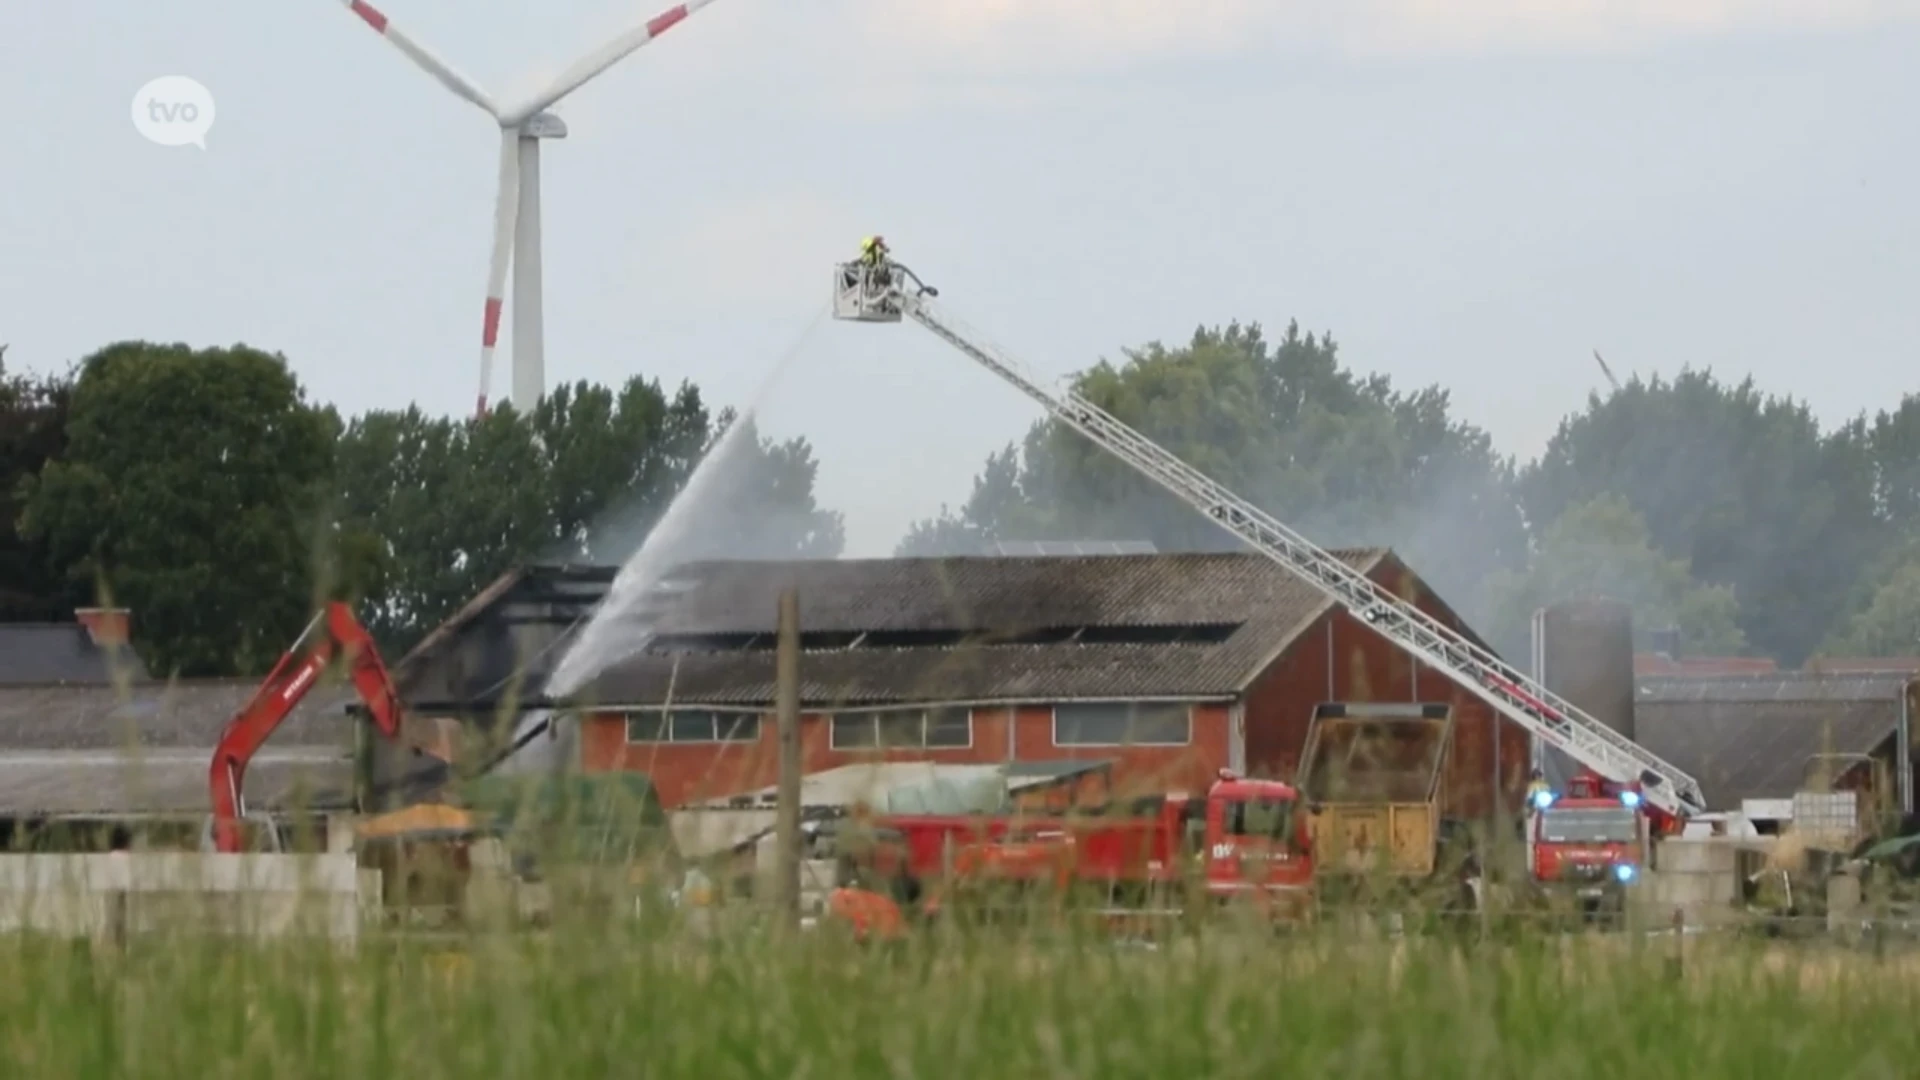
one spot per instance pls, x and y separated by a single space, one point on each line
869 270
874 271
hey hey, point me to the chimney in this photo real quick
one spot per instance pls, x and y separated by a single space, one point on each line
108 627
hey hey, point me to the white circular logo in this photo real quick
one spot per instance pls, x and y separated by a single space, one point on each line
173 110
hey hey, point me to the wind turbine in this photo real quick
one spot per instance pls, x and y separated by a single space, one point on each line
516 207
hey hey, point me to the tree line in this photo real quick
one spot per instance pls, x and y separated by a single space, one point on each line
1715 509
203 489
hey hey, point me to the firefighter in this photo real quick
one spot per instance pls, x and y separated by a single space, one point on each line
1536 786
873 252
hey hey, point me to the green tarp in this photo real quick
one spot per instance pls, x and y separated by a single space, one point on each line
594 816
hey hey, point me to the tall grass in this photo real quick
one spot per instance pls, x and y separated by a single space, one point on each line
623 998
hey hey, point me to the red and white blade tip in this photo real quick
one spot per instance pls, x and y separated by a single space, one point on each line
608 54
422 56
369 14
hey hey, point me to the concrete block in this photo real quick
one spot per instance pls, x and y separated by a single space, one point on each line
1703 855
122 892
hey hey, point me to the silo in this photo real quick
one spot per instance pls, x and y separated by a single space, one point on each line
1585 652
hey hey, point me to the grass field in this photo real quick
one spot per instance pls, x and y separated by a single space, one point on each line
628 1003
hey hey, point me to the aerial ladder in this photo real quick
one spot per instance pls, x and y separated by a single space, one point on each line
334 634
885 291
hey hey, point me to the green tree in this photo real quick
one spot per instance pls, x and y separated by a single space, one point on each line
1345 459
758 503
1602 548
1889 624
190 486
433 509
1740 486
33 431
1893 442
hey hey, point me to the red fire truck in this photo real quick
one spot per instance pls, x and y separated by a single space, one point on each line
1590 844
1244 841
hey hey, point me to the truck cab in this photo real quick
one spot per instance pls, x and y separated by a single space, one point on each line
1592 841
1252 835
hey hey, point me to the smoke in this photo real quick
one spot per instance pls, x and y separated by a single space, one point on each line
699 523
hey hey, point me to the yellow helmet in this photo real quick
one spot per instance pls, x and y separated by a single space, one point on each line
872 242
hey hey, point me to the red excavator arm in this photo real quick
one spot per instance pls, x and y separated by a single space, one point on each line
333 634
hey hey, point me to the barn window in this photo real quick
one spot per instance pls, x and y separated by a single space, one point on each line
691 726
904 729
1122 723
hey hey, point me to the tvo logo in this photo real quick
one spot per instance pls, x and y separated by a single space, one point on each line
173 110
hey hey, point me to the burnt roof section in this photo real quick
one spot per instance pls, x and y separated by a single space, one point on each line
1750 736
507 638
1046 628
187 714
61 654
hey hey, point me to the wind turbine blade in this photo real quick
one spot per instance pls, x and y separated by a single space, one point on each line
601 59
506 204
423 56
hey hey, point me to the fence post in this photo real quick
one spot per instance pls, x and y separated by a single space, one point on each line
787 718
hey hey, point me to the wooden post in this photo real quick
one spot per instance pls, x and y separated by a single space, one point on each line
786 888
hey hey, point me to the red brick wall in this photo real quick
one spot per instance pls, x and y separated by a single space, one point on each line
1341 659
684 772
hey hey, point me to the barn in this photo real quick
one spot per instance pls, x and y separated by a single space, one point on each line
1168 667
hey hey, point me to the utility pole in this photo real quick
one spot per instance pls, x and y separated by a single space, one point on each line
786 889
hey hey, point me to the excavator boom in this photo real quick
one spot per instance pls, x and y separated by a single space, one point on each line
334 634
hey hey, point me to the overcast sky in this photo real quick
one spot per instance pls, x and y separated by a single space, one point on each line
1474 192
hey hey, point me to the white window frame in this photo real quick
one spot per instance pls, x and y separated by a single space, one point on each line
875 717
1186 741
723 720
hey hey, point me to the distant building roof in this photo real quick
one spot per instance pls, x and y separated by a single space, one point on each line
1659 664
61 653
879 631
1750 736
1071 547
164 782
84 750
1858 664
179 715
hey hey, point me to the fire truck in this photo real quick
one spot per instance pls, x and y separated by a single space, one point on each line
1245 842
1589 845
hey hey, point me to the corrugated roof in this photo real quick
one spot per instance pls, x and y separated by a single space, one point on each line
1750 736
1002 595
1857 664
159 715
168 782
50 653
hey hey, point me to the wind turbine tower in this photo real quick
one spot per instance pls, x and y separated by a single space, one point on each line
516 211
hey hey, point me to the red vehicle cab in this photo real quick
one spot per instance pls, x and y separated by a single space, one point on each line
1592 840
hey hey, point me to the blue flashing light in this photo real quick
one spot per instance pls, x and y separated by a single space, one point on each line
1624 872
1630 799
1542 800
